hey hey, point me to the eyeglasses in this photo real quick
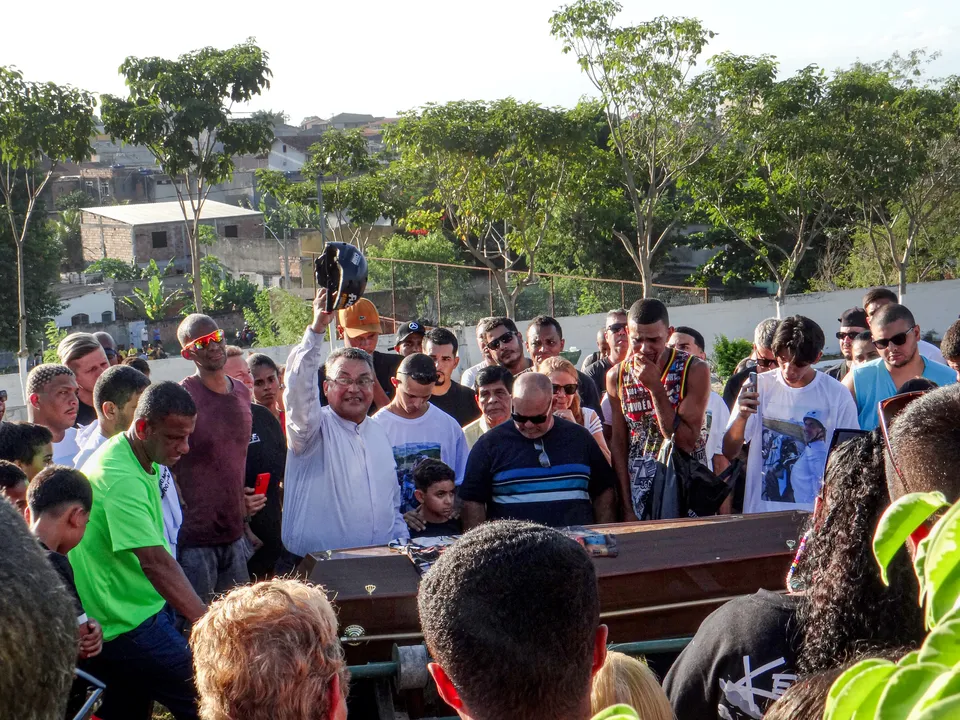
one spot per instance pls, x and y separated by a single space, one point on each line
543 458
535 419
364 382
570 389
851 335
201 342
767 364
898 339
616 327
888 411
497 342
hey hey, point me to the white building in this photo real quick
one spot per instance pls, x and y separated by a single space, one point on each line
85 304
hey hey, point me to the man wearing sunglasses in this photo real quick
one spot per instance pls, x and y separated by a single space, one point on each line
761 360
852 323
876 298
213 548
896 336
615 332
505 344
539 467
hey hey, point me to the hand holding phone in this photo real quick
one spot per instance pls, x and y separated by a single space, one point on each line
749 399
263 482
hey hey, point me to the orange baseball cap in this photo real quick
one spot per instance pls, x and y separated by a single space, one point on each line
360 318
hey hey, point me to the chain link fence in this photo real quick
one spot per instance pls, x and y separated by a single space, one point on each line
445 294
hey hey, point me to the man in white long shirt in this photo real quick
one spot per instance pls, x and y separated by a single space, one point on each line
340 487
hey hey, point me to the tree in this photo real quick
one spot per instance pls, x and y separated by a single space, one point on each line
221 292
41 125
773 180
497 171
661 118
277 317
902 154
75 200
181 111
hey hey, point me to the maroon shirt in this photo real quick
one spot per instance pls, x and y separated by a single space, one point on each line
211 475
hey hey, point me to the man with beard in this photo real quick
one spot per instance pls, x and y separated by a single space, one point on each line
896 335
503 340
449 395
615 332
410 338
213 549
852 323
876 298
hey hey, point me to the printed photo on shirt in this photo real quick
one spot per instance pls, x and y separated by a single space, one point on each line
794 455
407 457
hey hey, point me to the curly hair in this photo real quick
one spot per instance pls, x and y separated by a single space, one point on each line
268 651
847 609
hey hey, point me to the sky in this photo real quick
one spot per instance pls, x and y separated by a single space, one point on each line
384 56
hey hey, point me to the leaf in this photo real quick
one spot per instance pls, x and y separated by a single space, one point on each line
941 566
944 687
905 688
899 521
858 687
948 708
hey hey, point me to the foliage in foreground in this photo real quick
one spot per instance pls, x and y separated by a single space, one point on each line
277 317
923 684
728 353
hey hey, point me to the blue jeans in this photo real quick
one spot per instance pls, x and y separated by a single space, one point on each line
216 569
150 663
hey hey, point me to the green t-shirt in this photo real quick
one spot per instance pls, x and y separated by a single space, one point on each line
617 712
126 515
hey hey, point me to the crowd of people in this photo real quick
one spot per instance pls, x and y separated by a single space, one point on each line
174 514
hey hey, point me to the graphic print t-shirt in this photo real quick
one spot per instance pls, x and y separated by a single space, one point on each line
789 437
433 435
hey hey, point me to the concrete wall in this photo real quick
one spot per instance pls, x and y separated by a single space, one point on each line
93 305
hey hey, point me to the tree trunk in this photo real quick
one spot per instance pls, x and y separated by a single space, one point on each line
645 275
194 244
509 301
902 285
22 307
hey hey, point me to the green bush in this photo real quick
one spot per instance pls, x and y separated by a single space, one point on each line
728 353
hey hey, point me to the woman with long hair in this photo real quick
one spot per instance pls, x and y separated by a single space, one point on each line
566 399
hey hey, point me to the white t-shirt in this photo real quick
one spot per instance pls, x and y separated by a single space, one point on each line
715 422
434 435
591 421
930 351
788 454
66 450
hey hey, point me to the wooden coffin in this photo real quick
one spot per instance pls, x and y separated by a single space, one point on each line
667 577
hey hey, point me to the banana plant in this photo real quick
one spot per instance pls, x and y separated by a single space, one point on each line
923 684
154 302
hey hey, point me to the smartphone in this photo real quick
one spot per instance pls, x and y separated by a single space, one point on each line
263 482
751 382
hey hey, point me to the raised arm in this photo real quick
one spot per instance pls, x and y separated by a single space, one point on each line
302 396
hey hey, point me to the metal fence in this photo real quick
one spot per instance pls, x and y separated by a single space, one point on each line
445 294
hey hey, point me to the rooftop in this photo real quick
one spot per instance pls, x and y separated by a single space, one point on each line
164 212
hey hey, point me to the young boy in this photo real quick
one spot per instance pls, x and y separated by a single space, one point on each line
28 446
436 492
59 500
13 485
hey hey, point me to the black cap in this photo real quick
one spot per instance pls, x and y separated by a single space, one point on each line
413 327
854 317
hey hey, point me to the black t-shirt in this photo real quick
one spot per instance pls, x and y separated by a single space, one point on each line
838 371
450 527
85 414
505 467
598 373
267 453
590 359
744 652
589 397
65 571
384 367
459 403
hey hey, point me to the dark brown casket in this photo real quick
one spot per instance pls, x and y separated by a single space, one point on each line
667 577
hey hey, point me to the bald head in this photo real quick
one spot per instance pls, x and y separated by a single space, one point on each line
194 326
533 398
532 386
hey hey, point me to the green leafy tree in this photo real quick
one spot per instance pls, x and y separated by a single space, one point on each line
53 335
923 684
75 200
41 125
181 111
901 155
772 181
66 230
497 172
156 303
727 354
660 114
277 317
221 292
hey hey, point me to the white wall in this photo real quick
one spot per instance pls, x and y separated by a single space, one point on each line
94 304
